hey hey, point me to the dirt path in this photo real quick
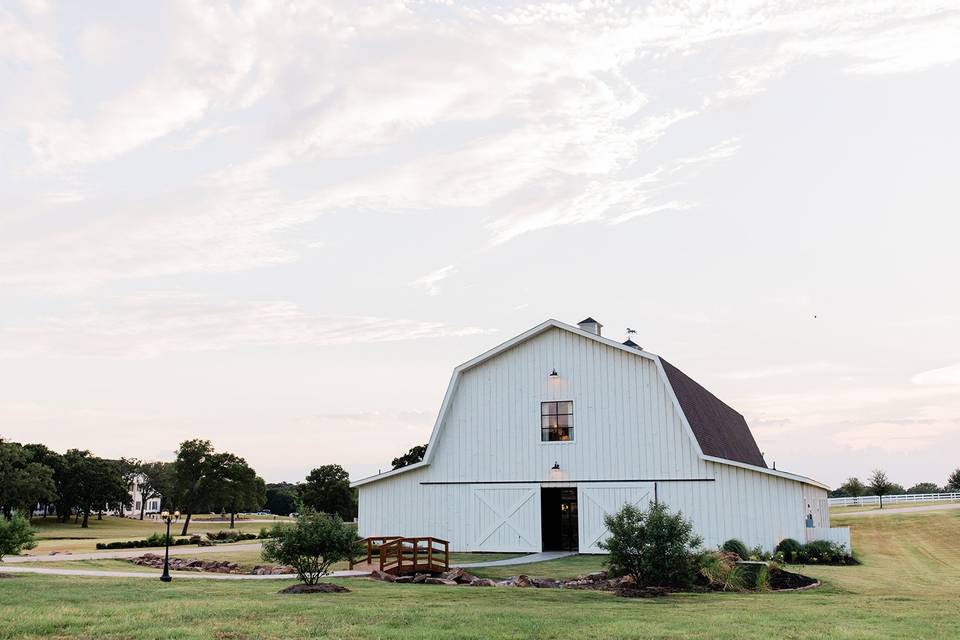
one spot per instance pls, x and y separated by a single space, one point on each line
132 553
97 573
895 510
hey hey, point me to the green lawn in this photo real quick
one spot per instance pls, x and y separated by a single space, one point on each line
908 587
60 537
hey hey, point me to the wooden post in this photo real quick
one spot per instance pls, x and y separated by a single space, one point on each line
430 553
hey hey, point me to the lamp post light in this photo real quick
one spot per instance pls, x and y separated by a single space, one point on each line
167 517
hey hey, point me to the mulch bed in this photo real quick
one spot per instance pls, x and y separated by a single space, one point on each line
788 581
320 587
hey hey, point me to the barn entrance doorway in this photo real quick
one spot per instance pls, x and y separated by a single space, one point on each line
559 519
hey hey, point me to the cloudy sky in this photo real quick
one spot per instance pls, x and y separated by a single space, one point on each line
280 225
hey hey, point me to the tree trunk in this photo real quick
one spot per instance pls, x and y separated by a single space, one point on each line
86 518
232 514
143 506
76 518
100 515
186 523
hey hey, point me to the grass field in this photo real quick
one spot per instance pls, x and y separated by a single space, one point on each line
908 587
56 536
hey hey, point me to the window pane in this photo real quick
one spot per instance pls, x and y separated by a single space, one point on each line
564 407
548 421
564 421
569 433
548 408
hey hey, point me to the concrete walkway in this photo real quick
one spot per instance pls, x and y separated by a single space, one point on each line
544 556
133 553
5 566
895 510
155 575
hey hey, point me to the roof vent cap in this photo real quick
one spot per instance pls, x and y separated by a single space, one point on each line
590 326
633 345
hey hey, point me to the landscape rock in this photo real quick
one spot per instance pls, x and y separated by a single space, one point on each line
482 582
376 574
545 583
420 577
320 587
458 575
451 583
404 580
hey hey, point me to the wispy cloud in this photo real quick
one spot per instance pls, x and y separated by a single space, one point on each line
430 282
525 117
156 324
949 375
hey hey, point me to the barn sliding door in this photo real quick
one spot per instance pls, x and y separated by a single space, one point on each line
504 518
598 500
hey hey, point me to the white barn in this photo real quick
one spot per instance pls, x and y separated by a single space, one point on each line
540 437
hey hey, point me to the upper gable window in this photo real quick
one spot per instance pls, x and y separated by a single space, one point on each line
556 421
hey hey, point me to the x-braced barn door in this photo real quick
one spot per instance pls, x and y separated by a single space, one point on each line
505 518
599 500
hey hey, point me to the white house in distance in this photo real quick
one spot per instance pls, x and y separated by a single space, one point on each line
540 437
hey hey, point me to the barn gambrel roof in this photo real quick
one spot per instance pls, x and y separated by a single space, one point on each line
718 432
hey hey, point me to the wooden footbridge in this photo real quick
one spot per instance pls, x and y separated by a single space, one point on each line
398 556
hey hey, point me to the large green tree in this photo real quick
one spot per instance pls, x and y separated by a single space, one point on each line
156 481
236 486
41 454
194 477
879 484
924 487
91 484
23 482
953 482
282 498
852 488
327 490
410 457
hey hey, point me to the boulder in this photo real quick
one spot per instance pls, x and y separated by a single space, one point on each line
404 580
522 581
451 583
482 582
458 575
420 577
545 583
376 574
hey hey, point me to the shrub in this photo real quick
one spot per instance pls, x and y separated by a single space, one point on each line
655 547
717 568
153 540
230 536
312 544
825 552
790 549
754 576
736 546
16 534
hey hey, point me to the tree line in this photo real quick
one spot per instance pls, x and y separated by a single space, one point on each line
878 484
77 484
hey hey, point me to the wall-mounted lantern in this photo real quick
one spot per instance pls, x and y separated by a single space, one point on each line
554 374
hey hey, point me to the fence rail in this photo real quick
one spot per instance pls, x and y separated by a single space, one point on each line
906 498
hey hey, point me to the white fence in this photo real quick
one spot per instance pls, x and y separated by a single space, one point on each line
906 498
837 535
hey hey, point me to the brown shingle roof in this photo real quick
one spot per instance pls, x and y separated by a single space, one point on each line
720 430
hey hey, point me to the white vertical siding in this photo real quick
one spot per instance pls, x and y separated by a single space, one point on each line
627 429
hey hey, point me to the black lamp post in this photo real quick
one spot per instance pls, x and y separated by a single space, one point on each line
167 517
